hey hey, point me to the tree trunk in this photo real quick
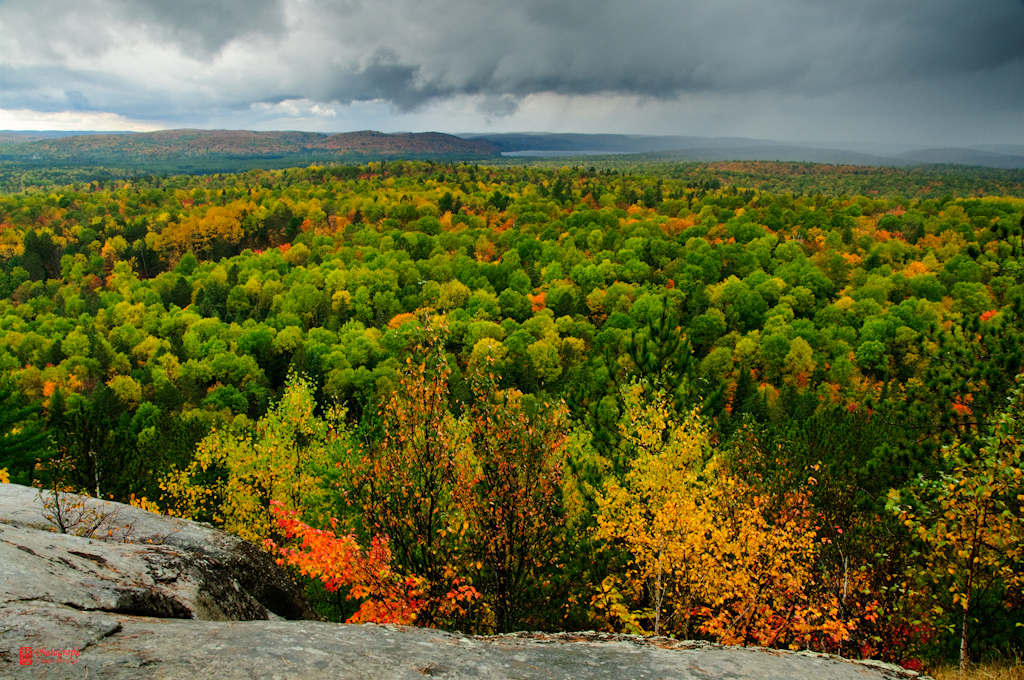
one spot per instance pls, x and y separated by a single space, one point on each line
963 642
972 569
967 609
658 588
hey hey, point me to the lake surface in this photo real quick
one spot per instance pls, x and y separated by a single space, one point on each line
544 153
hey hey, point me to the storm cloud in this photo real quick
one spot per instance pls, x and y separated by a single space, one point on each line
932 65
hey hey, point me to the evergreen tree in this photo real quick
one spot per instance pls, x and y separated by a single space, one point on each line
22 441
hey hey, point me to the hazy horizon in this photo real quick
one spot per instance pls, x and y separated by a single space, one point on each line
868 147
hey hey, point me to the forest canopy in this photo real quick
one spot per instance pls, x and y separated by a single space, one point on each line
709 400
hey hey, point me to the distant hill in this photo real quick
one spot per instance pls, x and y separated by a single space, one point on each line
1009 149
955 156
529 144
175 143
19 136
210 149
235 150
369 142
563 142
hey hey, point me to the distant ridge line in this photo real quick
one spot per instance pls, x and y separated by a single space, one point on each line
192 148
240 143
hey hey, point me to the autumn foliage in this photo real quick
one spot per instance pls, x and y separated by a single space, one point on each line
366 575
510 494
705 552
339 562
461 365
969 522
402 484
235 477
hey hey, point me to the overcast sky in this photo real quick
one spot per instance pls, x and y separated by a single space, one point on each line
938 72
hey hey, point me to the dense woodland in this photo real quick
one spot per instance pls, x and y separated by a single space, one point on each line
756 403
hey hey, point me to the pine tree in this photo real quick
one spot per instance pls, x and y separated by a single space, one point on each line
22 441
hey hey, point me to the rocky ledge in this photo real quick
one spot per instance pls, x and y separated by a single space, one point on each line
140 594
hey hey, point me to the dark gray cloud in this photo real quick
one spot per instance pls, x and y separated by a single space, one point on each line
660 49
185 59
204 25
77 28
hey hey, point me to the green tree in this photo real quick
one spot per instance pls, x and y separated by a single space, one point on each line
236 475
23 442
970 521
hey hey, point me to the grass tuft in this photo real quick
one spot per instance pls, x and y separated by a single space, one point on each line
989 671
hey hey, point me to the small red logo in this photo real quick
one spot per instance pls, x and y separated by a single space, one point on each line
29 656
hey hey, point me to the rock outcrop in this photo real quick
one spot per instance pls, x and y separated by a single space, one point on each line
146 595
209 560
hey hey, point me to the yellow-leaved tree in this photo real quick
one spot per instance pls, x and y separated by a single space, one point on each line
234 476
653 514
705 551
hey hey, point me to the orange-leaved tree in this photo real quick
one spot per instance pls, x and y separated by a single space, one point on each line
338 561
468 507
510 495
402 483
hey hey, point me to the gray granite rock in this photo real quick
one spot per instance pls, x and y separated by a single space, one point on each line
150 580
252 568
125 647
173 604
